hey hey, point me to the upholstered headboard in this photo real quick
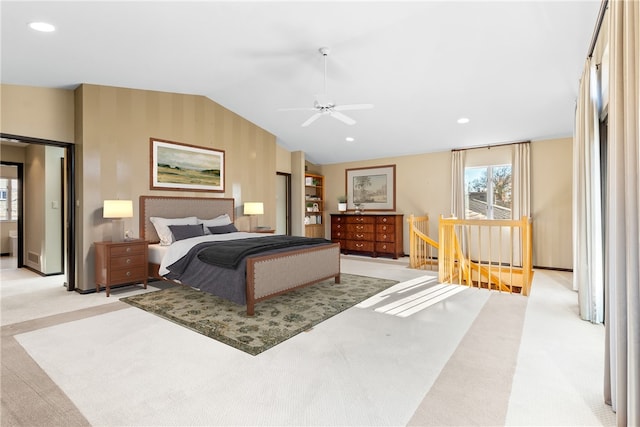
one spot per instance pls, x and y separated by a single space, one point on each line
179 207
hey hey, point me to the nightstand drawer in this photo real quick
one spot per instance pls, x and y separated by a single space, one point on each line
128 249
127 261
128 274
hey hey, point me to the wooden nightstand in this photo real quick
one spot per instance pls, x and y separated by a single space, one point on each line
120 263
263 230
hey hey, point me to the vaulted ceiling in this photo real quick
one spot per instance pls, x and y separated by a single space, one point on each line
511 67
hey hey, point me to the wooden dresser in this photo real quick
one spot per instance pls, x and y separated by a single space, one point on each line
118 263
373 234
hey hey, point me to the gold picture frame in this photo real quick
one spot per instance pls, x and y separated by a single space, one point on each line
184 167
371 188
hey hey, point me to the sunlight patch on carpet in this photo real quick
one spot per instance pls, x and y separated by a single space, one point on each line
275 320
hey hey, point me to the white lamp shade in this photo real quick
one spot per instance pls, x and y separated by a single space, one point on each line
253 208
117 209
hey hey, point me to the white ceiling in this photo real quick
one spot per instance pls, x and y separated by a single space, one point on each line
511 67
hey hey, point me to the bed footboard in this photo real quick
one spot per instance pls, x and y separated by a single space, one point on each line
271 275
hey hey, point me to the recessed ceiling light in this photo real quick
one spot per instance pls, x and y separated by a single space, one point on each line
42 26
349 139
463 120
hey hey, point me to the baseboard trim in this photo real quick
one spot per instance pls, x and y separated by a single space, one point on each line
538 267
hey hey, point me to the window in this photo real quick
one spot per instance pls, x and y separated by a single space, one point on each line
488 192
8 199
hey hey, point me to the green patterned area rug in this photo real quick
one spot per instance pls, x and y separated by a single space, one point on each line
275 320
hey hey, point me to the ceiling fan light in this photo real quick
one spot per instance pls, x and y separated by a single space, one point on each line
463 120
349 139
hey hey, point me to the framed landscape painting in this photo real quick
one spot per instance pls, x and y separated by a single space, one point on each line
176 166
371 188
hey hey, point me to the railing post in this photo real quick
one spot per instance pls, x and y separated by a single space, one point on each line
412 244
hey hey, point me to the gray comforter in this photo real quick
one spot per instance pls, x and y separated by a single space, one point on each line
227 283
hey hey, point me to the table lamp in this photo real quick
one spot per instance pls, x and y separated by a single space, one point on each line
252 209
117 210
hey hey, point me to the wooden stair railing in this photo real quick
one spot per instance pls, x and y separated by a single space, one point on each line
422 248
494 254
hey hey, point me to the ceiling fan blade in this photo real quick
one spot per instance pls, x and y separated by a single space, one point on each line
298 109
353 107
311 119
343 118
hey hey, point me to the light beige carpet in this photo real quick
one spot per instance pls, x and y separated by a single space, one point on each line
479 374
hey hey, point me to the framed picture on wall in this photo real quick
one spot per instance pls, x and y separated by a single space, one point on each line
177 166
372 188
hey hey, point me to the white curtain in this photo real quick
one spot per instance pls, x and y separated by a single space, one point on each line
521 180
588 277
457 184
622 230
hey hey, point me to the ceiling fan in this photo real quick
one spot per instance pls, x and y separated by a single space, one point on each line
323 105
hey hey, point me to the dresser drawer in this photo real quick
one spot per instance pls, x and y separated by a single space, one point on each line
360 228
127 261
360 236
385 237
382 247
338 227
386 219
360 219
338 219
338 234
354 245
385 228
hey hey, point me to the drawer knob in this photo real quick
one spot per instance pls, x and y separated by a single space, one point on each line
384 236
359 236
128 249
384 227
128 260
384 219
128 274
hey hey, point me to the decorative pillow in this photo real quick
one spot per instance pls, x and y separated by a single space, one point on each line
181 232
223 229
162 227
223 219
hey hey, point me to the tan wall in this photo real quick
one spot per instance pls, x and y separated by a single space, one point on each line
551 202
283 159
114 127
423 185
37 112
34 220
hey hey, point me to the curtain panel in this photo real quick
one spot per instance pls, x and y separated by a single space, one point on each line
588 261
521 180
622 242
457 184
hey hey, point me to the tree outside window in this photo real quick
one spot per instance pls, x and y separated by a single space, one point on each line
488 192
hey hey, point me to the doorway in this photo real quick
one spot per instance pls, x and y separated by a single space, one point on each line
283 203
62 193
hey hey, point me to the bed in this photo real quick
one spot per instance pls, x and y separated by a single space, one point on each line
256 278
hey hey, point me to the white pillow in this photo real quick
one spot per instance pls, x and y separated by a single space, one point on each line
223 219
162 227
